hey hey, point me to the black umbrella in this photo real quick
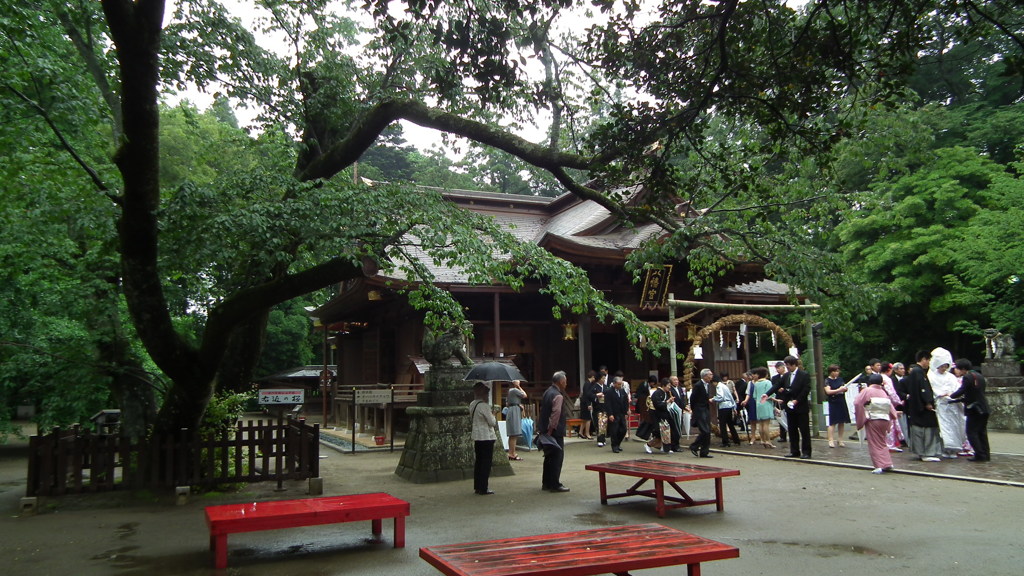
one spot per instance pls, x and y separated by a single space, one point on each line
494 371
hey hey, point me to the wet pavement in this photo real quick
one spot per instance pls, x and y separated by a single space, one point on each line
793 517
1006 468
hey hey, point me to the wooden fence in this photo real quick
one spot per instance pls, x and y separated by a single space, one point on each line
76 461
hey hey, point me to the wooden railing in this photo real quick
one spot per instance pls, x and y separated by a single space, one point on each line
76 461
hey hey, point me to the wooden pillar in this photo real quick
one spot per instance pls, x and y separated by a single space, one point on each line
498 352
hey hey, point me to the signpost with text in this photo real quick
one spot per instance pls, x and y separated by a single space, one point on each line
371 396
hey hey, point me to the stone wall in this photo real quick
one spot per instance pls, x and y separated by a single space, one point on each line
1007 408
1005 394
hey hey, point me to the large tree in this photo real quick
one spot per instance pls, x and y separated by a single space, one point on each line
712 106
933 184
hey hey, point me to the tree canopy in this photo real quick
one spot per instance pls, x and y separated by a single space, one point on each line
727 114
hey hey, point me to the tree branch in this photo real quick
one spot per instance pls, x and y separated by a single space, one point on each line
1016 39
93 175
87 52
365 132
225 316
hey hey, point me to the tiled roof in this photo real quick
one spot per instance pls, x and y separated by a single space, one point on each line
761 287
583 223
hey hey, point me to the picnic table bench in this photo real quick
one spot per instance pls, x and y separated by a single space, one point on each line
254 516
661 472
615 550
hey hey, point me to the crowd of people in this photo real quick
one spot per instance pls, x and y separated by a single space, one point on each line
937 409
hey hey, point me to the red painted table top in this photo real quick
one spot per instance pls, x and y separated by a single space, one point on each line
300 508
599 551
662 470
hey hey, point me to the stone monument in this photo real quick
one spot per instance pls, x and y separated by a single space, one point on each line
439 447
1005 386
999 356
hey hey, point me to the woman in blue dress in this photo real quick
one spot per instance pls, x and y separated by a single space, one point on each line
764 412
838 411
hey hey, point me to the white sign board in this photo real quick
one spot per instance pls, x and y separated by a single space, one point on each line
282 396
373 396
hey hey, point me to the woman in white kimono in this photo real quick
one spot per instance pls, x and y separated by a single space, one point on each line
952 425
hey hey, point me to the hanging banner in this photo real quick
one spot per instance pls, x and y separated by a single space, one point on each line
655 292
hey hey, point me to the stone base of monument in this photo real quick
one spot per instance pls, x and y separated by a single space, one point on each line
438 447
1000 368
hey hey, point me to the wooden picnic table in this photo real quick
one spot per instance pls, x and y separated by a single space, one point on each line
661 472
611 550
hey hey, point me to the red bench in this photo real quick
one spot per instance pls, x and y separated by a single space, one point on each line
612 550
255 516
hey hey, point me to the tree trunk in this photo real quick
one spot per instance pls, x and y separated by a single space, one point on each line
135 397
243 354
184 406
131 386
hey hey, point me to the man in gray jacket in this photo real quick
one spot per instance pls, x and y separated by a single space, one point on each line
553 414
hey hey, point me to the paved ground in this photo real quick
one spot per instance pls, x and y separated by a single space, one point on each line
828 515
1008 469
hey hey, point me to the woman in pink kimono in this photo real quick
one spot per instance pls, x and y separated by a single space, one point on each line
874 413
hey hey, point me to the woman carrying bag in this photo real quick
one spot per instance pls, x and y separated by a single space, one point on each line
668 434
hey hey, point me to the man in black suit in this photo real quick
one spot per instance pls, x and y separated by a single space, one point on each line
798 408
616 405
700 414
779 385
972 394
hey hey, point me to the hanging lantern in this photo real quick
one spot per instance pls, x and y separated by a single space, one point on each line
569 331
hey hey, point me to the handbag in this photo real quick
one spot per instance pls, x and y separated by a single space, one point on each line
666 432
602 424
